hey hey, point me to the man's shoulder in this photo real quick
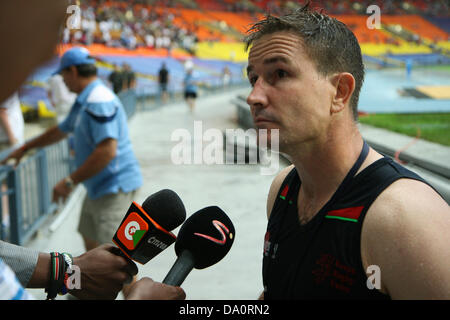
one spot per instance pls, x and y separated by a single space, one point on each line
405 233
100 94
102 103
405 196
406 206
275 187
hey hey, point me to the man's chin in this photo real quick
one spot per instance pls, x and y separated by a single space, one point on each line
268 137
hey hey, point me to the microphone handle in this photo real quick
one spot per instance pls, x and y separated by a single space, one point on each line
180 269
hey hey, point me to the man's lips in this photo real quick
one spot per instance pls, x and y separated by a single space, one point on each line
261 119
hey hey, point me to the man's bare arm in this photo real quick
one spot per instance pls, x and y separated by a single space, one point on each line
406 233
103 153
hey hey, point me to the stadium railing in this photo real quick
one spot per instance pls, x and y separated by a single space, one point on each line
27 191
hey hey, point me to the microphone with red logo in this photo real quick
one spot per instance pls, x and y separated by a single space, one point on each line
203 240
145 231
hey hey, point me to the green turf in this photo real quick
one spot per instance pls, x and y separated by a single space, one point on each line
445 67
433 127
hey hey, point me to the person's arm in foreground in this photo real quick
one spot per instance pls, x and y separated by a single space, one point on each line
147 289
103 272
49 137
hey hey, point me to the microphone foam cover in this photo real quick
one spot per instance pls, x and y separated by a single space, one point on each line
166 208
208 234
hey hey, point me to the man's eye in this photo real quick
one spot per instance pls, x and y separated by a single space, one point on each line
281 73
253 80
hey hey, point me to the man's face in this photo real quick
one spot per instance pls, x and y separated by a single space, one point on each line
70 79
288 93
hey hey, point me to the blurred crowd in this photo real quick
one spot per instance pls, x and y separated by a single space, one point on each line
121 24
149 23
394 7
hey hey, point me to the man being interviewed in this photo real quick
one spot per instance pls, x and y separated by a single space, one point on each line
105 161
344 221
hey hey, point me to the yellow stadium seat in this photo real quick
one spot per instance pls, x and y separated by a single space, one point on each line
44 112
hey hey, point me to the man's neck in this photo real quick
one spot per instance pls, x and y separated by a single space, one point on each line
323 165
84 82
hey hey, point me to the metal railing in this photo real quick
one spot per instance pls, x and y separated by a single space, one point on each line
27 190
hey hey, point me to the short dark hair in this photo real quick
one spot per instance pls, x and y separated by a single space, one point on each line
86 70
329 43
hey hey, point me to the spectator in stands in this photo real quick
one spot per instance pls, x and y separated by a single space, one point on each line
105 161
163 80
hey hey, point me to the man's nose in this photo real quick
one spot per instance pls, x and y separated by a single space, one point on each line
257 97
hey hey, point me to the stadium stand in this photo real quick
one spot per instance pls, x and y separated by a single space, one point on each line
150 31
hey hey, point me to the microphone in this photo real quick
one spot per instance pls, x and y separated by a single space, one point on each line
145 231
203 240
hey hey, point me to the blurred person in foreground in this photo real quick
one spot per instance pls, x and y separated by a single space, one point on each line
37 25
344 222
104 157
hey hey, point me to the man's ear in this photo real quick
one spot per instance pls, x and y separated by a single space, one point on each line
344 84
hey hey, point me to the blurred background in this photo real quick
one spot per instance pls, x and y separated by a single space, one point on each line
407 59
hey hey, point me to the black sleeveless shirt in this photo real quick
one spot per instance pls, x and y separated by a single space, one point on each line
322 258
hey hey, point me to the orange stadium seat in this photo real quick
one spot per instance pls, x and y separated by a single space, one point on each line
358 24
239 21
418 25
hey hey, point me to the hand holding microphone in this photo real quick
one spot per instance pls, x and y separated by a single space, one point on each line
147 289
203 240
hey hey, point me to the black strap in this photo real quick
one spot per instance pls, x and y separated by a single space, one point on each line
350 174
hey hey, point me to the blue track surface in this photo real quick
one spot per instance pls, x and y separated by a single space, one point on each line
380 91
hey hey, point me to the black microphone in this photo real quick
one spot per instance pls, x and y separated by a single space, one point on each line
203 240
145 231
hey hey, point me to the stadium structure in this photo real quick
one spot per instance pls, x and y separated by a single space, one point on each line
207 36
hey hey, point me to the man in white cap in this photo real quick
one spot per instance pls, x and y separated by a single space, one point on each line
105 161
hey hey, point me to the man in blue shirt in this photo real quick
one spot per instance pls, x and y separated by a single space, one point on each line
105 161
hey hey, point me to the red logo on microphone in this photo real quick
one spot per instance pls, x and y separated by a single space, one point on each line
222 229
